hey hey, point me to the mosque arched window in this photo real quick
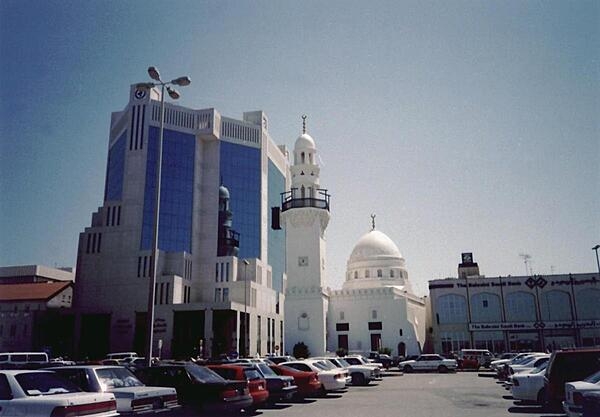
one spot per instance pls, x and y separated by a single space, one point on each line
379 273
367 273
310 158
355 274
302 157
391 273
302 192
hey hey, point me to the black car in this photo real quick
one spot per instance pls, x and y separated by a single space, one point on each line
280 387
199 387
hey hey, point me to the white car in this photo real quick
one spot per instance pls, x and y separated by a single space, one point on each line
361 360
331 380
360 374
428 362
44 394
531 363
498 364
528 386
131 394
573 403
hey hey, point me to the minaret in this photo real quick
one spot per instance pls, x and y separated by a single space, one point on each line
305 215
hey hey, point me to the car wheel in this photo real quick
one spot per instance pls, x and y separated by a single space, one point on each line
358 379
541 397
407 368
442 369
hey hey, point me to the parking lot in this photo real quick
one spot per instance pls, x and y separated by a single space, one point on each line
462 394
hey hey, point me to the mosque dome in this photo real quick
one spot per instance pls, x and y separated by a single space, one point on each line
375 262
304 141
375 246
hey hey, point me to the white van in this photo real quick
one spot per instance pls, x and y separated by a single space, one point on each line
483 356
20 360
122 356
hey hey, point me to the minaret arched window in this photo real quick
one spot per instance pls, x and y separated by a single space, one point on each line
391 273
355 274
379 273
302 157
310 158
367 274
302 192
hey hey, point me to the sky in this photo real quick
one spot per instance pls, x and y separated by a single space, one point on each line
464 126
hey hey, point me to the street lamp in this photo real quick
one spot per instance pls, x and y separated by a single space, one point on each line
246 347
174 94
595 248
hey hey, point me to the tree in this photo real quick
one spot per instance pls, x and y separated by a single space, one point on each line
385 350
301 350
341 352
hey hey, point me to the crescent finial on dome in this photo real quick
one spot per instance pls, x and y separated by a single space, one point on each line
304 123
373 221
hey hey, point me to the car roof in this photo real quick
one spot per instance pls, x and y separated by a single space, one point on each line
22 371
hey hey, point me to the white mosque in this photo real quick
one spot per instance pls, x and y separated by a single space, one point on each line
376 307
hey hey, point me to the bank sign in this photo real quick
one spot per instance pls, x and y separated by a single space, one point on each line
536 325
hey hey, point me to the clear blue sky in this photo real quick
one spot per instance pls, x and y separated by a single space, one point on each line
464 125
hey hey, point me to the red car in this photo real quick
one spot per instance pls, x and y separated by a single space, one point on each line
256 383
308 382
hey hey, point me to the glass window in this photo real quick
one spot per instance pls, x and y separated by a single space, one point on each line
217 295
240 169
588 306
177 191
452 308
391 273
225 294
276 238
555 305
367 273
520 306
113 190
379 273
485 307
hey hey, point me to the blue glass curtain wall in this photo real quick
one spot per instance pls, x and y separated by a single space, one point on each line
113 189
276 245
240 173
176 194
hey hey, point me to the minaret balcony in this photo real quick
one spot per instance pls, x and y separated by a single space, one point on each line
292 199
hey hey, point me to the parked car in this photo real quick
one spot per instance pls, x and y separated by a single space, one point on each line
474 358
361 360
307 381
506 358
528 386
257 385
279 359
331 380
23 360
531 363
574 392
565 366
360 374
121 356
280 387
131 394
382 358
502 371
44 394
428 362
199 387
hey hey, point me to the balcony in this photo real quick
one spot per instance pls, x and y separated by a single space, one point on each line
290 200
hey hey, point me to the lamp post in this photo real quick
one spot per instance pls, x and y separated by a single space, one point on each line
246 350
595 248
174 94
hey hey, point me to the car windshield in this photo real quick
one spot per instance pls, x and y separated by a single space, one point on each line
320 366
252 374
204 374
44 383
116 378
540 368
327 364
594 378
266 371
343 362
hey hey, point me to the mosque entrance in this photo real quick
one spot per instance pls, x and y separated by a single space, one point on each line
401 349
